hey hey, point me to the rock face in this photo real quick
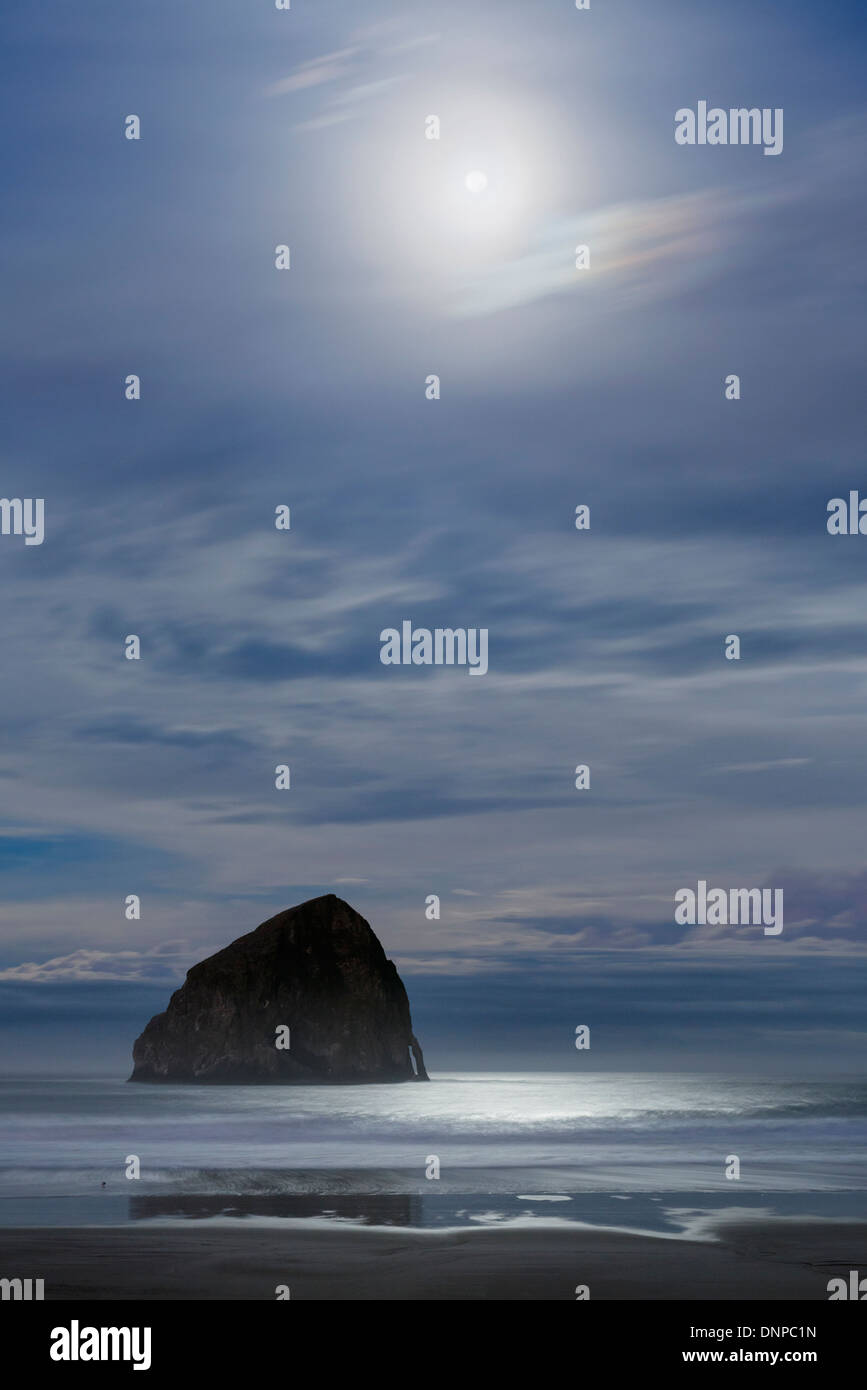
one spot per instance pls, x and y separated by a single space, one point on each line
316 970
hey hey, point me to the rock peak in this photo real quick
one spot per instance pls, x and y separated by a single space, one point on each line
308 996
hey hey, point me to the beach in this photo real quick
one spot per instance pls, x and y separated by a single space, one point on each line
545 1182
773 1260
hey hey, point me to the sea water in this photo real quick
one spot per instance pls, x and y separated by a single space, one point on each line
633 1150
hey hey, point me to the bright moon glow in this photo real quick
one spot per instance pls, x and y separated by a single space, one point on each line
473 208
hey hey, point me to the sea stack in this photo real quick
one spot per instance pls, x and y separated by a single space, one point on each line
308 997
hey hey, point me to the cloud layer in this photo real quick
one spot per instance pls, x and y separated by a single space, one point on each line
307 389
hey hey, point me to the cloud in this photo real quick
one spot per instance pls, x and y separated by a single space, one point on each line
353 71
157 777
640 251
163 963
328 68
767 766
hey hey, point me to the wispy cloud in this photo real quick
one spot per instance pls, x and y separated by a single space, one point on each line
164 963
318 71
353 74
640 251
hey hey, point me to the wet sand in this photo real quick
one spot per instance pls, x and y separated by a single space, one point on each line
772 1259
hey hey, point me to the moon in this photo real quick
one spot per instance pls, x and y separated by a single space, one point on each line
476 181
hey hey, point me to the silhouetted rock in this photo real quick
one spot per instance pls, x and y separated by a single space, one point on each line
317 970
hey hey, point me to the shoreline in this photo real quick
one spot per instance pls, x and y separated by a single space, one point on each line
784 1259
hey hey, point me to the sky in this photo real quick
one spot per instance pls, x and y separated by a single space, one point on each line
306 388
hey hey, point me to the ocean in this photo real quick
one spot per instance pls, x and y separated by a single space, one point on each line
636 1151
